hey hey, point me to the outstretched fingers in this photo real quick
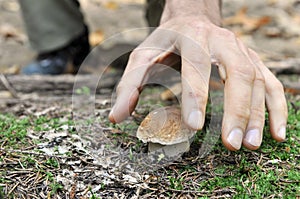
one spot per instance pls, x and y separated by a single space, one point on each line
248 84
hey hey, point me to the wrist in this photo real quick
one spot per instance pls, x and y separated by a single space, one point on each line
204 9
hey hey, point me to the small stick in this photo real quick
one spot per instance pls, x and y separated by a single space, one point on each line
13 189
31 153
7 85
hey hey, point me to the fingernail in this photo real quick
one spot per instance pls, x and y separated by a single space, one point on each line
195 119
282 133
235 138
253 137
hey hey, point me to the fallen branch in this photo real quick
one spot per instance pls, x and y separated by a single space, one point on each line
287 66
59 85
7 86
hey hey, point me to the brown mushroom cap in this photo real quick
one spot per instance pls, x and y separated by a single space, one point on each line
164 126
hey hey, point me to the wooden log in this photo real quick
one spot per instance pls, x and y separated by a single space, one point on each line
287 66
60 84
64 84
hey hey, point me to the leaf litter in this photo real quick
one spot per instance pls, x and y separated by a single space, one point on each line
73 161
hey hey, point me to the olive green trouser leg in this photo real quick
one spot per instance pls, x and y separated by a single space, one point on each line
51 24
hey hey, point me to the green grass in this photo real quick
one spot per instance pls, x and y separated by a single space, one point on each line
14 130
271 171
13 137
254 180
278 174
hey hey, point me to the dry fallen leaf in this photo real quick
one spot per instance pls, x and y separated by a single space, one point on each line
272 2
296 18
74 187
15 69
288 24
5 95
11 6
249 23
273 32
292 91
9 32
111 5
96 37
298 40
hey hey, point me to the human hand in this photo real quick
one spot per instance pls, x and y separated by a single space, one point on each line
196 36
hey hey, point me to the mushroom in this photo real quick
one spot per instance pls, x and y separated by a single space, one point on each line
164 129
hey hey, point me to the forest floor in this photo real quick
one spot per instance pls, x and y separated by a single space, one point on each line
56 140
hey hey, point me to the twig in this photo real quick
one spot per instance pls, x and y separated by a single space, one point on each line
21 164
74 187
13 188
260 159
23 171
36 177
85 191
222 196
29 178
33 196
203 193
138 190
7 85
32 153
289 181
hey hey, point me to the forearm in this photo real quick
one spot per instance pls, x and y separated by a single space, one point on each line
210 9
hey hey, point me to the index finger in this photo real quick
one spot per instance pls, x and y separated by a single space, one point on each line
153 50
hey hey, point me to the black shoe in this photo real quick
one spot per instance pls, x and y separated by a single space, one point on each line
64 60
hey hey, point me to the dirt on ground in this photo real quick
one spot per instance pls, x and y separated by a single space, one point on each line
86 156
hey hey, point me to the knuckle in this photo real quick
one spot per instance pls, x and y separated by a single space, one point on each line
124 85
245 72
135 54
197 96
279 86
276 85
259 78
144 55
202 28
254 56
227 34
242 114
258 113
140 54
